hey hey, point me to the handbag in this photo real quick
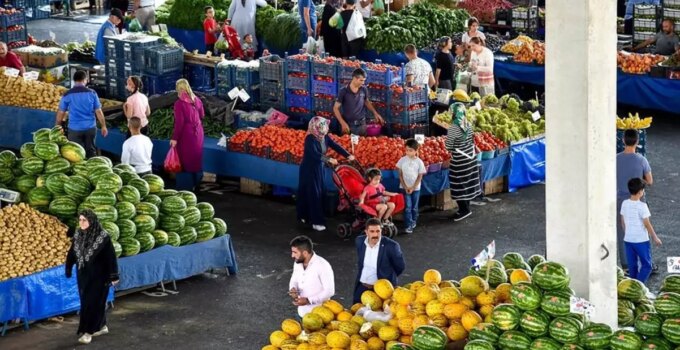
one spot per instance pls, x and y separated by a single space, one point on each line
356 29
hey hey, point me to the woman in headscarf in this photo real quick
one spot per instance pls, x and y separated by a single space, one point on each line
311 184
242 15
96 270
464 169
331 35
187 136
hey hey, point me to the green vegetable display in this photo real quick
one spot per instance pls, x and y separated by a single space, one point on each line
283 32
189 14
161 124
264 17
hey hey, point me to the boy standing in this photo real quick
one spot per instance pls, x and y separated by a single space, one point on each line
635 221
411 171
210 28
137 149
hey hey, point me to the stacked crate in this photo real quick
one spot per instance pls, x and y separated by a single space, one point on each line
225 78
298 89
525 20
248 79
671 10
272 83
646 21
408 111
13 29
37 9
163 66
379 78
324 87
125 58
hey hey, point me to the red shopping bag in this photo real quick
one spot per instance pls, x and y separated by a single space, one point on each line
172 164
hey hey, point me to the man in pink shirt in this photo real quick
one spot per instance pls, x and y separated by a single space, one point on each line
312 281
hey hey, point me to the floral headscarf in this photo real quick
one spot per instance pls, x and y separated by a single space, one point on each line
458 111
87 243
318 127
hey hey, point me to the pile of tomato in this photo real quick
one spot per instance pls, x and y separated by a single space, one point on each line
486 141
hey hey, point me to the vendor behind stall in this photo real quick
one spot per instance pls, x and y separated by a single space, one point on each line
354 101
107 29
473 32
666 40
10 59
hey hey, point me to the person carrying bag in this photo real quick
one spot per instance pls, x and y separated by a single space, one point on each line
353 31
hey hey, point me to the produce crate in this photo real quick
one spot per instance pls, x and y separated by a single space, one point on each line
322 104
345 74
200 78
115 88
386 78
325 70
488 155
18 4
645 25
162 59
297 120
271 68
524 13
408 130
37 12
160 84
114 68
525 24
113 50
674 4
133 51
16 19
408 98
225 76
271 92
638 37
302 66
297 83
267 104
129 70
646 11
378 95
16 35
503 17
324 87
419 115
246 77
298 101
673 14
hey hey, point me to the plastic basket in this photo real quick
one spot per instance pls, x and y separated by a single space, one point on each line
324 87
225 76
323 104
524 13
645 25
488 154
17 35
391 76
130 70
267 104
410 117
324 69
16 19
272 92
669 13
408 130
302 66
115 88
160 84
378 95
642 36
297 83
133 51
34 12
199 77
112 48
114 68
345 73
408 98
163 59
645 11
298 101
434 168
271 68
18 4
246 77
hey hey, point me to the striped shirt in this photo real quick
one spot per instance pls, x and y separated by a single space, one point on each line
464 169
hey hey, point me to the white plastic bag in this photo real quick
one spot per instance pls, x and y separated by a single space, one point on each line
356 28
310 46
320 49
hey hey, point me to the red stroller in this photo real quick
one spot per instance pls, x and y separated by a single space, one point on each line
351 181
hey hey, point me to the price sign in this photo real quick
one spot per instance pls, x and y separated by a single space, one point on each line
673 264
420 138
243 95
155 28
163 27
484 256
355 139
234 93
581 306
536 116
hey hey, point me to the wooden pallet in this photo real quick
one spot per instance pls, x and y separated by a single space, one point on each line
201 59
497 185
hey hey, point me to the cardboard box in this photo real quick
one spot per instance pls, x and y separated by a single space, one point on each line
253 187
53 75
497 185
50 59
443 201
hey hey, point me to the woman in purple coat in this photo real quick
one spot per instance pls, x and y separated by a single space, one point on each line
187 136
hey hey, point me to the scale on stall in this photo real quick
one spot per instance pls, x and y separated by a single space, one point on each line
7 196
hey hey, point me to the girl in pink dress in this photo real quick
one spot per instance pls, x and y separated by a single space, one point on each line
137 104
375 196
187 136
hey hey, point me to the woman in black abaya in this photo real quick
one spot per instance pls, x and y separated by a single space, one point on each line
97 268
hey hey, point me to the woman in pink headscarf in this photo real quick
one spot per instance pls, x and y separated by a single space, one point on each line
187 136
311 184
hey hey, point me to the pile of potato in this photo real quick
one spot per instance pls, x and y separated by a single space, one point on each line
30 241
29 94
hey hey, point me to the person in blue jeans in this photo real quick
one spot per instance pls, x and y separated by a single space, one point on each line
411 172
307 13
638 229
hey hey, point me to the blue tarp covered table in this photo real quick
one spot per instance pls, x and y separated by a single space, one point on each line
18 124
527 161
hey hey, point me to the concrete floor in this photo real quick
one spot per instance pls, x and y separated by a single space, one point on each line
238 312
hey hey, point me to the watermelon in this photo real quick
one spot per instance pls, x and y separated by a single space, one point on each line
671 283
205 230
147 209
556 303
189 198
117 248
100 172
172 222
125 210
156 183
173 239
220 227
144 223
513 261
173 205
401 346
545 343
6 175
112 182
128 194
146 241
73 152
565 329
626 316
57 135
160 237
39 197
667 304
112 229
127 176
571 347
130 246
535 260
32 166
656 343
631 289
485 331
41 135
620 276
497 275
671 330
80 169
86 205
191 216
100 160
26 150
207 211
514 340
106 212
8 159
506 316
102 197
167 193
535 323
58 165
478 344
550 276
153 199
526 296
46 150
595 336
125 167
429 338
77 186
25 183
63 207
127 228
140 185
643 307
17 168
625 340
187 235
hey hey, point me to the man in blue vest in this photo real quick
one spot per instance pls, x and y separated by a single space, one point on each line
109 28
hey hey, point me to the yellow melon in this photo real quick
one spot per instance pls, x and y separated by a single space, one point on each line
488 318
344 316
317 338
312 322
334 306
470 319
355 337
371 299
416 285
289 344
383 288
469 302
472 286
291 327
358 320
358 344
375 343
456 332
401 311
440 321
432 276
426 293
388 333
356 307
455 311
486 298
326 314
420 320
304 346
277 338
405 325
418 308
446 284
449 295
393 322
324 331
486 310
349 327
434 307
377 324
403 296
337 339
503 292
406 339
270 347
519 275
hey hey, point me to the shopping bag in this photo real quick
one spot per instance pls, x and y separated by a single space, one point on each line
356 29
221 44
135 26
378 7
336 21
310 46
172 164
320 49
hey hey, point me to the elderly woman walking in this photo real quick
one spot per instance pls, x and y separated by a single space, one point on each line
187 136
97 269
464 168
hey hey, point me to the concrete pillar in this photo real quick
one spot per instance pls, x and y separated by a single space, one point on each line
580 150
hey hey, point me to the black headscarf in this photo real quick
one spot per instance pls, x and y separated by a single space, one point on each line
87 243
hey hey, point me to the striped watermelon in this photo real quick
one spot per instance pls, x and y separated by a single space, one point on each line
625 340
478 344
565 329
58 165
535 260
207 211
525 296
506 316
667 304
106 213
572 347
128 194
102 197
644 307
146 241
189 198
545 343
205 230
620 276
130 246
399 346
6 175
80 169
39 197
85 205
191 216
514 340
187 235
429 338
156 183
63 207
125 167
626 316
111 182
127 228
160 237
98 173
550 276
167 193
556 303
485 331
125 210
535 323
42 134
46 150
631 289
147 209
513 260
73 152
25 183
144 223
32 166
173 239
26 150
17 169
100 160
57 135
671 283
656 343
172 223
671 330
8 159
126 176
140 185
117 248
595 336
153 199
112 229
220 227
173 205
77 186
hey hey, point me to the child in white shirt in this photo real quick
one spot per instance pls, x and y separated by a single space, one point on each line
411 172
137 149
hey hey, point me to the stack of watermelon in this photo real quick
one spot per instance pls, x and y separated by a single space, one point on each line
139 214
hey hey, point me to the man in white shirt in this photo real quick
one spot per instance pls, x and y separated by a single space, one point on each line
418 71
137 149
145 12
312 281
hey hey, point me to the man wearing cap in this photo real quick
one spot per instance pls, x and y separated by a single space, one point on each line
109 28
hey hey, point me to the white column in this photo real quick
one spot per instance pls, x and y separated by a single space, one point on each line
581 146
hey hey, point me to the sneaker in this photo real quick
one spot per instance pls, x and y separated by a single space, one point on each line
413 227
319 228
461 216
85 339
104 330
491 200
409 230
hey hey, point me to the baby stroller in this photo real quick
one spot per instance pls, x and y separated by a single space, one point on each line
231 37
350 181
